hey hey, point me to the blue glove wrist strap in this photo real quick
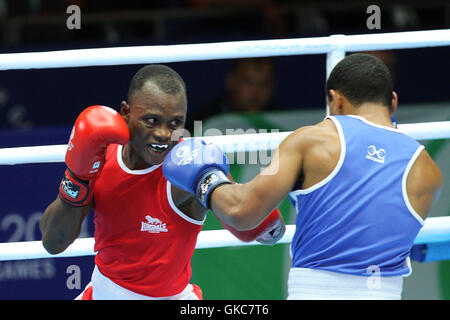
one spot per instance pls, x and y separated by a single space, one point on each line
207 183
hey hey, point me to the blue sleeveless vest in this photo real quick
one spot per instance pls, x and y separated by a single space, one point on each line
359 220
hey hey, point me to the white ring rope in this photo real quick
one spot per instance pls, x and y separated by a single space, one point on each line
223 50
435 230
228 143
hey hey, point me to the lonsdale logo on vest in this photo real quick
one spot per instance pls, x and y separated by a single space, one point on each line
153 225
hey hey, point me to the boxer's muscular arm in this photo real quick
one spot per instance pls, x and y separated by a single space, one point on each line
61 224
95 128
245 205
423 184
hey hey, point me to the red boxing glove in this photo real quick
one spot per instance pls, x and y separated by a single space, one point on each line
95 128
267 232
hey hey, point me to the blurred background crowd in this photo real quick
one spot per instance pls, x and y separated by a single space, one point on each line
30 98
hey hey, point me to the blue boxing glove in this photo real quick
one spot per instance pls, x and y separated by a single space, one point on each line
196 167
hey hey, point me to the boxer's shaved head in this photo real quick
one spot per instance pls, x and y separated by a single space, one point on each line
167 79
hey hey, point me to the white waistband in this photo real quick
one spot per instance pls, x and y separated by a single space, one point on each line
105 289
312 284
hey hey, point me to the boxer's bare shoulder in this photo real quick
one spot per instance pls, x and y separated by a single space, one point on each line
319 148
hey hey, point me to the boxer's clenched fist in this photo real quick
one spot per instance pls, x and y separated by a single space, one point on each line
95 128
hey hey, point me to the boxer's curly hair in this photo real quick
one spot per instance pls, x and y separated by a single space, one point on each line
167 79
362 78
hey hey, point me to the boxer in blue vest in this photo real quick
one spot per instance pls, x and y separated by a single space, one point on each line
361 189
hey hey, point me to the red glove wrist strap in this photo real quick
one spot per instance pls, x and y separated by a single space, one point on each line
74 191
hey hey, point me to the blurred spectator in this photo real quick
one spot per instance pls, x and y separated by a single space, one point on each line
250 85
14 116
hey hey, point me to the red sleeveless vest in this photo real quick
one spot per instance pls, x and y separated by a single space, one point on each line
143 242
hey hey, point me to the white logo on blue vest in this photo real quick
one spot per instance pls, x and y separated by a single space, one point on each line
376 155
